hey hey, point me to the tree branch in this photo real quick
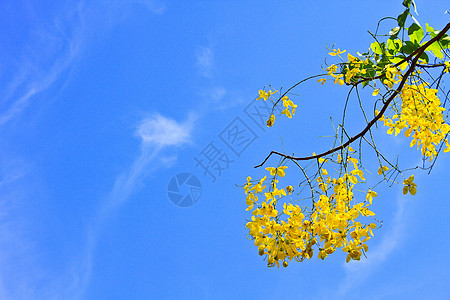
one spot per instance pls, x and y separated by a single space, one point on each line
416 54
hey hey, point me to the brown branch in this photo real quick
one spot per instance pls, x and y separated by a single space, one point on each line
421 49
417 54
430 66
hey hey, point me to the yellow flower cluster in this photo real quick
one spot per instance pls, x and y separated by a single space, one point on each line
266 95
354 67
331 72
337 52
410 186
335 218
332 222
286 103
422 116
393 75
271 121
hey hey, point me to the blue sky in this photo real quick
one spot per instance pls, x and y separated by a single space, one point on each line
102 103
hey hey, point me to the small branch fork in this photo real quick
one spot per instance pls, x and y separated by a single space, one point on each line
416 54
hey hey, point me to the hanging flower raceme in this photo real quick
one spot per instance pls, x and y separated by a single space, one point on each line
296 233
289 106
422 117
283 225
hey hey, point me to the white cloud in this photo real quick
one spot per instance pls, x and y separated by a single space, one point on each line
45 53
205 60
47 58
158 131
19 272
52 47
49 50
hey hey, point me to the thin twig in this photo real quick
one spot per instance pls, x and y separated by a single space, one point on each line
416 54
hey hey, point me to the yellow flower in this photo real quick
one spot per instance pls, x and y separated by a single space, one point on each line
321 160
265 95
286 103
382 169
389 83
289 189
294 106
351 57
247 185
262 95
279 171
410 186
338 79
322 80
447 67
259 187
370 195
287 112
250 200
336 52
331 69
448 146
354 251
375 92
270 121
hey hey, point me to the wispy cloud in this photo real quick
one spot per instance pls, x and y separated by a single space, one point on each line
49 51
156 133
205 60
215 96
48 55
19 273
43 55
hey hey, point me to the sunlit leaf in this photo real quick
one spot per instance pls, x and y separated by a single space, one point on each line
415 33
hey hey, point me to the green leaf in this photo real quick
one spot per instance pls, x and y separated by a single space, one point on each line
377 47
425 57
383 62
431 31
394 45
407 3
415 33
445 41
409 47
396 59
370 73
401 19
394 31
436 49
